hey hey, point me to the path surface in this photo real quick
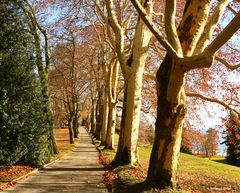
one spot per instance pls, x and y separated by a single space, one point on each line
79 171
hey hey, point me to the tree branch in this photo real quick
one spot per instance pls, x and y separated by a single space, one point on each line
112 17
147 74
211 26
226 64
170 26
205 59
190 94
225 35
162 40
118 33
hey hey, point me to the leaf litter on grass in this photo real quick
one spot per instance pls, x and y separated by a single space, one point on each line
9 173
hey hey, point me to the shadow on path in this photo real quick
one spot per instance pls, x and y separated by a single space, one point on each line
79 171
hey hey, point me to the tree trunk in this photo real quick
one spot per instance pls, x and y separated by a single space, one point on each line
93 117
89 118
171 107
75 126
52 142
70 128
128 151
170 115
122 155
99 117
111 126
105 120
42 70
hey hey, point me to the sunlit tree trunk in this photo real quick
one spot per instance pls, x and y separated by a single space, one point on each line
99 115
171 108
170 115
105 119
111 127
93 117
127 152
112 102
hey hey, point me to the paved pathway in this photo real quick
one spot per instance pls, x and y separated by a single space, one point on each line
79 171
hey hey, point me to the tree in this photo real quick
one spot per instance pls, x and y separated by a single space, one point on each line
24 123
110 71
188 47
211 142
198 140
132 57
232 140
68 81
43 62
186 143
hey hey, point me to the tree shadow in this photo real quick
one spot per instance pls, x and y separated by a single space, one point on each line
222 161
137 187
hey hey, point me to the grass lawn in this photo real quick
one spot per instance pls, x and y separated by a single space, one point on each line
197 174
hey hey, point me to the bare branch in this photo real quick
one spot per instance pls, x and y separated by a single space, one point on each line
225 35
147 74
232 10
170 26
118 33
162 40
190 94
112 17
225 63
211 26
43 31
93 24
203 60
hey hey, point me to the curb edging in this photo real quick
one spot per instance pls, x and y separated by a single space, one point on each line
14 181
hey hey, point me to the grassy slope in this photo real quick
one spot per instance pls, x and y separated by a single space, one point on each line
198 174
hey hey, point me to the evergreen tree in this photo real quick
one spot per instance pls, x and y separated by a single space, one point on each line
232 140
24 125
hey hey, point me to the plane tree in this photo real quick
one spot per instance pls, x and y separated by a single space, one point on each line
189 46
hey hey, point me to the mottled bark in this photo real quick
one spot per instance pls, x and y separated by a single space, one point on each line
127 152
170 115
111 126
171 107
112 82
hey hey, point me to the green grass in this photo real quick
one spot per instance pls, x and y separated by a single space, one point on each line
201 174
194 164
197 174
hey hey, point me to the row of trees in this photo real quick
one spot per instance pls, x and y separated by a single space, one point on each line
106 48
187 47
194 142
